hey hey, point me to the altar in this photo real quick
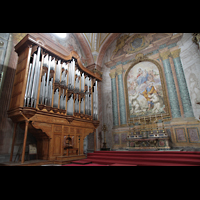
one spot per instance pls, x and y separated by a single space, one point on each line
148 141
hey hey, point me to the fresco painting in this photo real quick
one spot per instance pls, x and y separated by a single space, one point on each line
145 90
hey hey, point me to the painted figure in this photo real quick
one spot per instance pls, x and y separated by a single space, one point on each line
145 89
147 92
142 77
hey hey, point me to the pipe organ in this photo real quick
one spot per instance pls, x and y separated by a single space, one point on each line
62 83
54 96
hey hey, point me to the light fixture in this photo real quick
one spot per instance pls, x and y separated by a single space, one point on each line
61 35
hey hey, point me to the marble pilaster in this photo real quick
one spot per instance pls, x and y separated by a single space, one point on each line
114 98
172 93
122 107
184 93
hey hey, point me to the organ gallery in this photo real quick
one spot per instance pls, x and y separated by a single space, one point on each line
64 98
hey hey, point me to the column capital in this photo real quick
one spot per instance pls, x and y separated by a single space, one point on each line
176 53
165 55
112 74
119 71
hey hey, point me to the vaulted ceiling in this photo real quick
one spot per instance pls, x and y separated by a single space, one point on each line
94 45
98 44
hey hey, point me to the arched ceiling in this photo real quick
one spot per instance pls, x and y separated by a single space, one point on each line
95 41
98 43
93 45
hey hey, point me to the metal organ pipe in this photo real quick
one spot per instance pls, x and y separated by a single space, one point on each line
82 82
72 80
37 67
55 100
42 89
90 105
50 91
46 92
69 81
58 71
61 100
82 105
73 72
76 104
95 102
37 83
27 84
70 106
31 80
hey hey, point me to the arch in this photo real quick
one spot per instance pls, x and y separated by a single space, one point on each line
108 41
86 48
139 59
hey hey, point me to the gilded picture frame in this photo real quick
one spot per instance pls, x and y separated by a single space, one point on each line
138 59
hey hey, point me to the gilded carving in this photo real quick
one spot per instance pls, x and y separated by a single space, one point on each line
137 43
139 56
120 43
119 70
165 55
96 71
129 44
176 53
196 38
112 74
160 92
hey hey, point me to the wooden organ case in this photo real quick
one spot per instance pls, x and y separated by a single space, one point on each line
54 97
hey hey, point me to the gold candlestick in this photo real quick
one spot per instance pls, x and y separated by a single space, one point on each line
151 126
163 124
104 130
129 124
157 123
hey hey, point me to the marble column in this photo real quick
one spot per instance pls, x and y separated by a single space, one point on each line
121 96
184 93
172 93
114 98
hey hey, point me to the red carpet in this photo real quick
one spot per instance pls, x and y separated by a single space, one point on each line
143 158
91 164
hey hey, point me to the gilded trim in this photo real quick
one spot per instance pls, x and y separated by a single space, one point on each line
165 55
176 53
142 58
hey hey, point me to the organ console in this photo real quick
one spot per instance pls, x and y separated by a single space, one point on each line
53 97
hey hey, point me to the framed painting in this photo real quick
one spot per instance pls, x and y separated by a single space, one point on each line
145 90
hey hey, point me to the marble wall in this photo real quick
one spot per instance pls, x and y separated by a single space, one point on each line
107 104
190 58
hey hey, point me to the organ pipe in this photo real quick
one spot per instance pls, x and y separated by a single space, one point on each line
61 84
46 91
27 84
